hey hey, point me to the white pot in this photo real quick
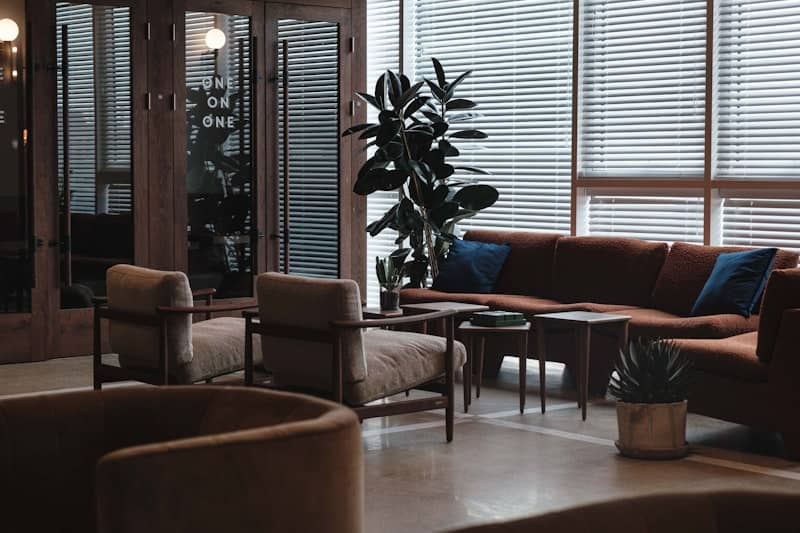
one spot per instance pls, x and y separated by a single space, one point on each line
652 431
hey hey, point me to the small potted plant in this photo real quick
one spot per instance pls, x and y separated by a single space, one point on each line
390 278
651 384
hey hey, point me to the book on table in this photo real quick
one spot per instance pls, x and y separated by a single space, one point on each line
494 319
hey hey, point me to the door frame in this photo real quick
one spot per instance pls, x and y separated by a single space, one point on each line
273 13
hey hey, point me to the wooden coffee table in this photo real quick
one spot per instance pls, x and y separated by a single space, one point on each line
477 335
581 324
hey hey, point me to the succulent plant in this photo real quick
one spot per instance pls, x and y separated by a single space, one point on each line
651 371
390 270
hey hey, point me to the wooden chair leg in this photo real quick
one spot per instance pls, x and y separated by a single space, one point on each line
449 369
481 351
541 343
97 358
467 371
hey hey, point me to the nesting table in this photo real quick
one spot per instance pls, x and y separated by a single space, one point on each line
581 324
476 335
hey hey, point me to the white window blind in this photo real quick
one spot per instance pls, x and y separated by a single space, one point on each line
383 52
313 146
643 88
520 52
664 217
99 81
760 221
759 89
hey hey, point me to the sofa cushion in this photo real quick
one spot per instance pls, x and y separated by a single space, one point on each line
736 283
607 270
686 270
531 305
398 361
655 324
471 267
733 357
419 296
529 267
782 293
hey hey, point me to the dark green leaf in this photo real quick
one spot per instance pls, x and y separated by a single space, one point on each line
474 170
371 100
469 134
448 149
452 87
379 225
358 127
409 95
437 66
387 132
415 106
460 103
437 91
476 197
439 215
433 117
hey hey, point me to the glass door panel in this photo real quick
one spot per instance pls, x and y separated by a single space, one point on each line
219 172
16 267
308 155
95 185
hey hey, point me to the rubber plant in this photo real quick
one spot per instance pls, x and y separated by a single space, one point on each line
415 144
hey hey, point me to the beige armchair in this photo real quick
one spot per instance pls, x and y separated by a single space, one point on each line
179 459
313 338
150 327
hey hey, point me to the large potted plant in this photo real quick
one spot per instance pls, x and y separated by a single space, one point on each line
414 144
651 383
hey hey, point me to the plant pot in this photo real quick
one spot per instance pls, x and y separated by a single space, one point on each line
652 431
390 300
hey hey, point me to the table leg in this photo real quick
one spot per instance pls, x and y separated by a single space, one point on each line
468 373
523 370
481 350
540 353
583 341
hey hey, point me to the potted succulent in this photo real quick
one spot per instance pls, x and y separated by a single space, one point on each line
390 277
651 384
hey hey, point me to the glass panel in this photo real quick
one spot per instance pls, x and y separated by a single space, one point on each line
93 45
308 109
15 260
219 179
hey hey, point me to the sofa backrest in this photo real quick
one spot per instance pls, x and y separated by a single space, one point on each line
529 267
782 293
687 269
607 270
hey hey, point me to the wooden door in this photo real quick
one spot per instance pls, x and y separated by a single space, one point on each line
308 60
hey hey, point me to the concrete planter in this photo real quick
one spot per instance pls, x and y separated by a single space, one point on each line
652 431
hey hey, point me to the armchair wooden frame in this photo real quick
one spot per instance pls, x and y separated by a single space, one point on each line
334 337
104 373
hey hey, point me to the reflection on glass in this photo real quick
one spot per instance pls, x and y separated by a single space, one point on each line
94 146
15 257
308 108
219 177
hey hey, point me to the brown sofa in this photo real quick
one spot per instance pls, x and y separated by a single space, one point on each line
200 459
653 283
714 512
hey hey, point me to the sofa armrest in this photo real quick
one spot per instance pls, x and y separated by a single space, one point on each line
784 366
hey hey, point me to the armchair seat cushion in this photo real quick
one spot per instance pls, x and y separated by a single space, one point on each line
398 361
653 324
218 346
733 357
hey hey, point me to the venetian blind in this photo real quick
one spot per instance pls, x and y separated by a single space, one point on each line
520 52
662 217
383 53
313 146
643 88
758 89
99 81
760 221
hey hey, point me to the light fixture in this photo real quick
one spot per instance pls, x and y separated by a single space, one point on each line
215 39
9 30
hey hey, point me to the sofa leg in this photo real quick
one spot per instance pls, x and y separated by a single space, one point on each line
791 442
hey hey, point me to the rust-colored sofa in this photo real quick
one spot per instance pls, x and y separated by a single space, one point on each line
169 459
653 283
712 512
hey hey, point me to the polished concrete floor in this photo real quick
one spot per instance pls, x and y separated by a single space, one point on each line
503 464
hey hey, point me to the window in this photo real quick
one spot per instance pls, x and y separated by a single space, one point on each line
520 52
758 68
643 83
760 221
666 216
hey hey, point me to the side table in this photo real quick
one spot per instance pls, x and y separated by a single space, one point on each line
477 335
581 323
429 307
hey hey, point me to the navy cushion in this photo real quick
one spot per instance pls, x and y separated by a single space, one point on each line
736 283
471 267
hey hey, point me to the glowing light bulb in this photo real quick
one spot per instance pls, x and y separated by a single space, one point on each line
9 30
215 39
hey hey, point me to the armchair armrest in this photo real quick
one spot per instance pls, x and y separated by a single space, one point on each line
385 322
207 309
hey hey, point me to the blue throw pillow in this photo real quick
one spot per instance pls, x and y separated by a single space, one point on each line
471 267
736 283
